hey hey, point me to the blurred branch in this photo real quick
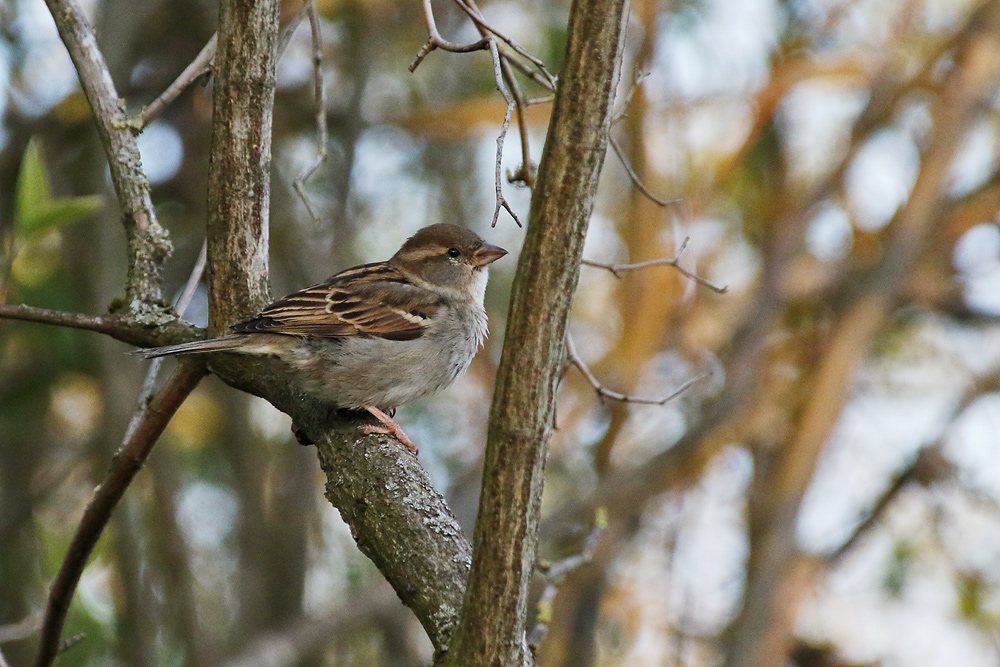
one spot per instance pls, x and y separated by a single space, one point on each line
762 631
555 574
618 269
604 392
125 464
492 626
119 327
200 67
635 177
319 91
148 242
307 636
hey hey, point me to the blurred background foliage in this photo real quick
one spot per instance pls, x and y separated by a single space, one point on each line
800 137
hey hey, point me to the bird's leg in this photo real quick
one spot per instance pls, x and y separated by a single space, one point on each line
390 427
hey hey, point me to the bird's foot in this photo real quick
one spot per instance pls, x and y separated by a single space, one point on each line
388 427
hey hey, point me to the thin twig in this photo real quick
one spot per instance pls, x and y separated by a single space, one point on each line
555 574
603 392
501 202
436 41
181 306
470 8
125 464
321 130
198 68
635 177
618 269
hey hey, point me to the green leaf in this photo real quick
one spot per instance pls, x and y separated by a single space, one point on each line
36 211
33 189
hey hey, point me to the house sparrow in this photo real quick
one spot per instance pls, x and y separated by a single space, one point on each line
378 335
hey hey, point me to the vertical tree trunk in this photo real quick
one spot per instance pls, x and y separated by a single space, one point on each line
491 631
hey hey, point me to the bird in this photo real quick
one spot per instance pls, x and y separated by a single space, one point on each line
379 335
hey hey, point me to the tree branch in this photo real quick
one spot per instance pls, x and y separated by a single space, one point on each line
124 466
199 67
491 631
618 269
120 327
397 517
148 242
319 90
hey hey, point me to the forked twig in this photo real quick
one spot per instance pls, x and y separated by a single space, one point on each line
620 154
436 41
555 574
321 130
617 269
472 10
603 392
501 202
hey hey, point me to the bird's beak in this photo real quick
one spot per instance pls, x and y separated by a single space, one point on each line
487 254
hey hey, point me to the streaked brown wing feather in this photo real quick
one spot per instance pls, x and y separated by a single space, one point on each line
369 300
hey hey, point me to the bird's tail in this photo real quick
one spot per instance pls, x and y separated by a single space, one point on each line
196 347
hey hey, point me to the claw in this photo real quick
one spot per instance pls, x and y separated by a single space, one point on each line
389 427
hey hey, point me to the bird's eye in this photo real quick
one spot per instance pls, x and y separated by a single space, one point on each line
453 252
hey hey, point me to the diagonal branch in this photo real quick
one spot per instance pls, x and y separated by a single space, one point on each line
199 67
124 466
148 242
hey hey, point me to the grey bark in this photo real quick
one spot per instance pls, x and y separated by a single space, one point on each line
493 620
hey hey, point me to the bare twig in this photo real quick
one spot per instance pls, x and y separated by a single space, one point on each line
555 574
181 306
125 464
201 67
436 41
618 269
501 202
603 392
321 130
620 154
635 177
198 68
470 8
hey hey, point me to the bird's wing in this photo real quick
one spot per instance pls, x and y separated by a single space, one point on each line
369 300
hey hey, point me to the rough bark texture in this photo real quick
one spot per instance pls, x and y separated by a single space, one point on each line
398 519
147 240
492 627
239 183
